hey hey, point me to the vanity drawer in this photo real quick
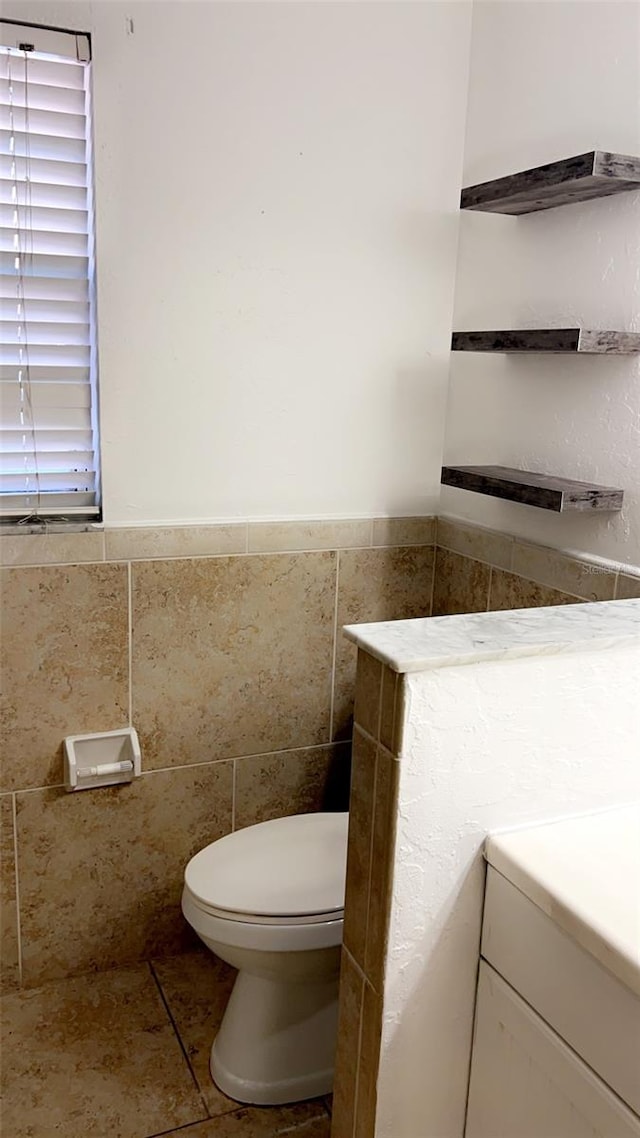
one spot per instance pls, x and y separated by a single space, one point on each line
526 1082
597 1015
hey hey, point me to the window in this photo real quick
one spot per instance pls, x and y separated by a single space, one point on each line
48 405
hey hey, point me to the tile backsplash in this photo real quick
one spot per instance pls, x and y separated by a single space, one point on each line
223 646
479 570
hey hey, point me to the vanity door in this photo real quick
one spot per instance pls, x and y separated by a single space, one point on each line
527 1083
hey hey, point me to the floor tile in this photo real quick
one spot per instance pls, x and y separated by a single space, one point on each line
196 987
95 1055
303 1120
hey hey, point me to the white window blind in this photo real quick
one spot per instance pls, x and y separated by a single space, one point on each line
48 405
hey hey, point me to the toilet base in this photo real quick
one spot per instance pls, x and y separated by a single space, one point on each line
277 1041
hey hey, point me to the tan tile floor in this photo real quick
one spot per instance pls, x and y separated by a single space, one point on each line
124 1054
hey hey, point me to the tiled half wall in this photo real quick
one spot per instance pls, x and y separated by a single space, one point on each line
374 795
222 646
479 570
476 570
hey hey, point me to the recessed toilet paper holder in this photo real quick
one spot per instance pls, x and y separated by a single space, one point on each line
101 759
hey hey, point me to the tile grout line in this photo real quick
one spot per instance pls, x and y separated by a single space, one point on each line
334 652
14 813
233 796
356 1086
344 743
512 553
472 557
523 577
588 561
615 586
434 566
219 555
130 636
238 1108
366 734
373 827
186 1127
174 1025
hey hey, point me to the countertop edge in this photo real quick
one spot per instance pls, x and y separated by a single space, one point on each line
614 953
427 643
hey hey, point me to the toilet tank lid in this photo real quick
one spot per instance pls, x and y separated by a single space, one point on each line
292 867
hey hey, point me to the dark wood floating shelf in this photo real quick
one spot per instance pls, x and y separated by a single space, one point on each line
578 340
525 486
597 174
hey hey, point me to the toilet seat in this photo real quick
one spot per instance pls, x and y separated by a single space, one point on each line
275 934
287 871
258 919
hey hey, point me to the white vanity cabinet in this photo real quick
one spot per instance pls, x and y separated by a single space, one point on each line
556 1050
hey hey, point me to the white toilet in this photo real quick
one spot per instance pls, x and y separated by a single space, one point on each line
270 901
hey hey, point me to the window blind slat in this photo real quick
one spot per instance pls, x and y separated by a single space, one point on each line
65 355
44 288
46 396
70 418
44 170
67 480
57 311
42 146
48 441
55 124
46 265
43 96
41 332
38 194
46 219
46 72
47 373
60 505
34 241
54 462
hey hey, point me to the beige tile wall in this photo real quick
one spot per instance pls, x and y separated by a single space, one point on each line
374 790
223 646
9 954
376 584
479 570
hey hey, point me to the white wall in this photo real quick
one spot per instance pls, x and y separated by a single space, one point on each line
487 746
277 189
549 80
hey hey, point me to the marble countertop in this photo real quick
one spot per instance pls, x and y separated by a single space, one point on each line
584 873
442 641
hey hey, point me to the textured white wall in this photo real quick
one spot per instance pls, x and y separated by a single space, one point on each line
277 189
488 746
549 80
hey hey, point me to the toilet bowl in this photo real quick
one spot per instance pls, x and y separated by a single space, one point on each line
269 900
